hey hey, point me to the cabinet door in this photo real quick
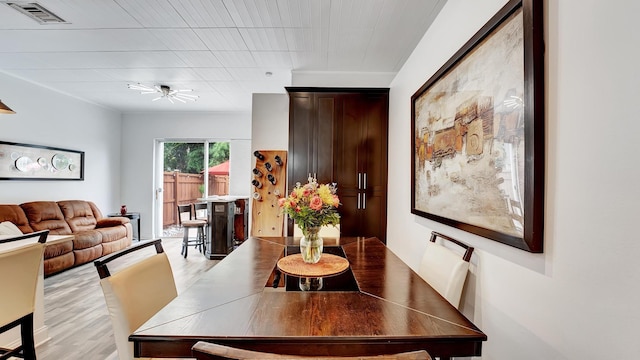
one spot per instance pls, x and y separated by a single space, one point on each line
301 134
360 164
311 120
324 138
373 158
347 169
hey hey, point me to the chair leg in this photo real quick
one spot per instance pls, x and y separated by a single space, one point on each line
26 349
28 344
204 240
185 243
201 239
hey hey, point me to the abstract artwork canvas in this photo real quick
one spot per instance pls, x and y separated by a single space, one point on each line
476 135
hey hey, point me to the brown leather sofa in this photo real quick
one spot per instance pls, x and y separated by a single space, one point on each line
93 235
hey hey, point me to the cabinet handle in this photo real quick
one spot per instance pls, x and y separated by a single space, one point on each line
365 181
358 206
364 201
359 180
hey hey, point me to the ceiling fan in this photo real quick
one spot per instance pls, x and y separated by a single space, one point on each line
165 92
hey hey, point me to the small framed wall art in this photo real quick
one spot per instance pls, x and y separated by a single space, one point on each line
36 162
478 133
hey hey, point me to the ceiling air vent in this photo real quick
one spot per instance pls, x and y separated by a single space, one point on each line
38 13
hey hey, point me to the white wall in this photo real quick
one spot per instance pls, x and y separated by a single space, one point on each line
139 134
45 117
341 79
579 299
269 122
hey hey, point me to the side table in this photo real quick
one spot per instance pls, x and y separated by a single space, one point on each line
136 225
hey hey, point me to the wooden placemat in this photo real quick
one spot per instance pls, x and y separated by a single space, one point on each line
328 265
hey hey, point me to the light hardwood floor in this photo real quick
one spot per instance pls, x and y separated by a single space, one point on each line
76 313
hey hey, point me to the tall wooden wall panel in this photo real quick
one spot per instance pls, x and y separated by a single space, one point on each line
266 217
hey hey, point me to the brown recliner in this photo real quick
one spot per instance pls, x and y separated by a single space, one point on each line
93 235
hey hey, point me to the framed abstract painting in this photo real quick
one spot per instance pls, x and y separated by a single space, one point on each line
478 133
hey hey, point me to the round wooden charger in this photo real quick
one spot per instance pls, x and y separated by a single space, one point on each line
328 265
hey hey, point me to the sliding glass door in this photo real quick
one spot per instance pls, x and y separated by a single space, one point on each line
187 171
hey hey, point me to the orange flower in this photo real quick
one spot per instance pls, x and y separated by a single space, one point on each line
315 203
336 201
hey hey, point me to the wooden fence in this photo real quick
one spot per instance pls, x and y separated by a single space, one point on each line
181 188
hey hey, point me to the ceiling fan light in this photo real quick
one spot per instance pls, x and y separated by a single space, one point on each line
165 92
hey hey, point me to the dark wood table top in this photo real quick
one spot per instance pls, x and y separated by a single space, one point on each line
233 304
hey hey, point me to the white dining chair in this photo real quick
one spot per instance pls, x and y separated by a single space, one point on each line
210 351
135 293
19 272
444 269
328 231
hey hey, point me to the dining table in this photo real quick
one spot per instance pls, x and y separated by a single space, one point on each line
378 306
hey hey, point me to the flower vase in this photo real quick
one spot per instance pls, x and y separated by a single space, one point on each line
123 210
311 245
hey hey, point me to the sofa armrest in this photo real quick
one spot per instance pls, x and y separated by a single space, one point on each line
112 221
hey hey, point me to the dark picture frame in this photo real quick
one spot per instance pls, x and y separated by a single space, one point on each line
477 158
36 162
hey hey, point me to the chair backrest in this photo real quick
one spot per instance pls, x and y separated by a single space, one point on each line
444 269
200 210
328 231
208 351
19 270
136 292
184 213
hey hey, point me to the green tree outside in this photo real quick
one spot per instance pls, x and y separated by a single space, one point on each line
187 157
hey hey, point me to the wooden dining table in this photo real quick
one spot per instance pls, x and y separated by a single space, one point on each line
388 309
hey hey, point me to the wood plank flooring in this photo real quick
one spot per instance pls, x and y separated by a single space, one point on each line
76 313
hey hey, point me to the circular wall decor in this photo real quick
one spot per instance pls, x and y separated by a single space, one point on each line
23 163
60 161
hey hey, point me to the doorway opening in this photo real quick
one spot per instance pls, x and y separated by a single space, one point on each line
192 170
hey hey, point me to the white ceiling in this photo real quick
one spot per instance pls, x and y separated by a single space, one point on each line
219 48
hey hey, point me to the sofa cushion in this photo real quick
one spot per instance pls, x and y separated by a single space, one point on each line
57 249
58 263
86 239
112 221
96 212
46 215
113 246
8 228
112 233
78 215
15 214
86 255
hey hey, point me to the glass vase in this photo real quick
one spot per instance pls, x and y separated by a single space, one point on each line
310 284
311 245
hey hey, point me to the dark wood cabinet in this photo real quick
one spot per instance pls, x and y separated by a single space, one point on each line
340 135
